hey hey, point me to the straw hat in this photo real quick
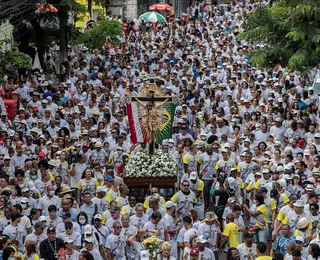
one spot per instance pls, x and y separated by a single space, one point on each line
303 223
66 189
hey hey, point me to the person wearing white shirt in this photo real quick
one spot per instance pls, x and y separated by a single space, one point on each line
71 254
49 199
69 232
88 246
248 249
61 227
116 243
156 223
37 235
100 229
15 231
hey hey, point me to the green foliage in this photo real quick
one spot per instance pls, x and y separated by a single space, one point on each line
13 59
290 30
68 5
102 31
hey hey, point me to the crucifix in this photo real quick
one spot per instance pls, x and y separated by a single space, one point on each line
153 116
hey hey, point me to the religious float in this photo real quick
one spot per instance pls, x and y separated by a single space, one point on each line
150 119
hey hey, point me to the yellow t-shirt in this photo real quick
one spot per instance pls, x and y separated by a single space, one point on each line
35 257
231 230
265 257
146 203
257 185
264 210
280 216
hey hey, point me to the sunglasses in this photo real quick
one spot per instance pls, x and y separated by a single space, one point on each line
68 227
186 185
118 227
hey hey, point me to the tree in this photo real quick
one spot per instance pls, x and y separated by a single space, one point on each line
289 31
65 7
102 31
24 10
13 59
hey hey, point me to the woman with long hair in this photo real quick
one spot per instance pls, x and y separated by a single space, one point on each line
31 251
314 252
63 165
8 253
258 217
87 183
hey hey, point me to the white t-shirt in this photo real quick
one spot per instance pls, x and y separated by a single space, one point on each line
116 244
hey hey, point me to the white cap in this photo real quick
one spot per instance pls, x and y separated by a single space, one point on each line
25 189
193 176
89 240
97 216
282 183
170 204
101 189
280 169
300 239
42 218
201 239
68 240
24 200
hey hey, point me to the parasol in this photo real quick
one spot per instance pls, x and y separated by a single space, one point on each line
161 7
153 17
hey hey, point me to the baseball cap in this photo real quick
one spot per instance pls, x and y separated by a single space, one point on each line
170 204
101 189
299 239
68 240
108 178
25 189
193 176
66 215
24 200
201 239
263 190
39 224
97 216
114 209
51 230
89 240
273 193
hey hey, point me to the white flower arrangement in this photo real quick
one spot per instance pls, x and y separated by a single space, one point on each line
159 165
138 164
162 165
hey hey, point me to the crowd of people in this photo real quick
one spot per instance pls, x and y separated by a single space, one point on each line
246 142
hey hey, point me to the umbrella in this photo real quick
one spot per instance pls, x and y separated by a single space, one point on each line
153 17
161 7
